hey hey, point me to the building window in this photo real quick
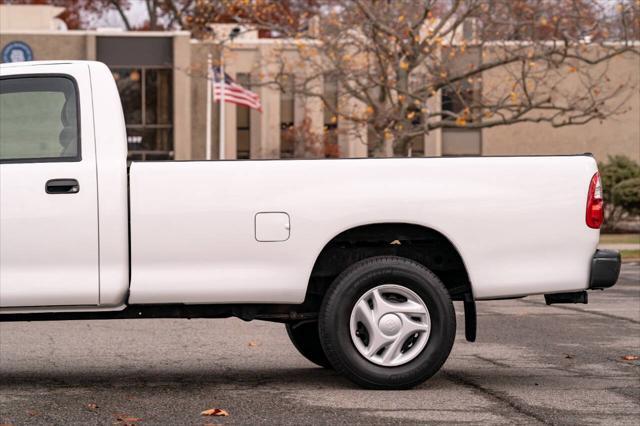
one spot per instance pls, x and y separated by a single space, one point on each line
147 100
243 122
330 91
416 148
460 141
287 117
413 147
457 99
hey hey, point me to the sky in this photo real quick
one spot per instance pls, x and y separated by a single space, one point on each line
137 14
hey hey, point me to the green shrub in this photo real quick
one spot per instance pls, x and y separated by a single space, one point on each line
626 194
617 170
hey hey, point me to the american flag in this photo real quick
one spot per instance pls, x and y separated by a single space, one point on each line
233 92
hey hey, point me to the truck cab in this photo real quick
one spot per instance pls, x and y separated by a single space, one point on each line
64 218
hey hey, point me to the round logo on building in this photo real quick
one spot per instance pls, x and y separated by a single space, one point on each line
17 51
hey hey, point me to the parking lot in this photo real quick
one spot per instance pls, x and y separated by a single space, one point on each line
531 364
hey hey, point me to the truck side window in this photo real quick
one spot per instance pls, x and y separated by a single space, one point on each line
39 119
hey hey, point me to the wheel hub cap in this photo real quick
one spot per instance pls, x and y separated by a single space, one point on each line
390 325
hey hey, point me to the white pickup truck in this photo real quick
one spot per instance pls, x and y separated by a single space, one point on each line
359 258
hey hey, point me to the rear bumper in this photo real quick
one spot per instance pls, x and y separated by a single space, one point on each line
605 268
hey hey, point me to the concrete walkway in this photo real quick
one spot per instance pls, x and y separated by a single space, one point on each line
620 246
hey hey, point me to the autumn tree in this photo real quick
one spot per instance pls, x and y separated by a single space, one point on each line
195 16
405 68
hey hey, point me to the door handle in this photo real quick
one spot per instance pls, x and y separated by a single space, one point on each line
62 186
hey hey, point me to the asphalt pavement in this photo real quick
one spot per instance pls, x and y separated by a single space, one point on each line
531 364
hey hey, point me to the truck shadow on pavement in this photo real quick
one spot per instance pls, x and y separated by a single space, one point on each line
294 377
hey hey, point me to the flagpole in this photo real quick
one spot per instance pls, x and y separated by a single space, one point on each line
209 106
222 104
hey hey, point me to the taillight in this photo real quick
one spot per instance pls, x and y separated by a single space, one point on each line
595 204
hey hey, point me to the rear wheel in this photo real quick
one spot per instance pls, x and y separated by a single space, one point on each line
305 337
387 323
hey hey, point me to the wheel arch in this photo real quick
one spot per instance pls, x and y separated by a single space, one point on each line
426 245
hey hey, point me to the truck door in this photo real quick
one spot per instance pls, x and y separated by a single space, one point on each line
48 189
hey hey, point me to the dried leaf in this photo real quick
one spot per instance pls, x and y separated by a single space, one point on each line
631 357
404 65
128 420
252 344
92 406
573 69
218 412
460 121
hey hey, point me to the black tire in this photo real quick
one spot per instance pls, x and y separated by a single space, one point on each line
306 339
346 290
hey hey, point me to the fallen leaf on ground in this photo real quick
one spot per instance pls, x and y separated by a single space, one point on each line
631 357
92 406
214 412
252 344
128 420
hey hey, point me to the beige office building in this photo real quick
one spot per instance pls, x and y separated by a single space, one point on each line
161 77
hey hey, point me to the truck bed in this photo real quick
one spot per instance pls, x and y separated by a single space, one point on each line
517 222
